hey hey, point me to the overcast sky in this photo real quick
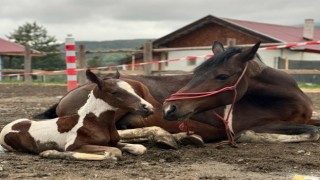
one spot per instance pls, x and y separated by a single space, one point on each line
132 19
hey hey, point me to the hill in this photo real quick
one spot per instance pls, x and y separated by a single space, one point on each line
100 60
115 44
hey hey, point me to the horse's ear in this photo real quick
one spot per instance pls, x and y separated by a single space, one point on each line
93 78
217 47
117 75
249 53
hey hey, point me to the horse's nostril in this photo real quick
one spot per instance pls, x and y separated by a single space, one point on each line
169 113
146 109
172 109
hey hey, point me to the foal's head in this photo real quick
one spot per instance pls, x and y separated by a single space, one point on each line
119 94
220 71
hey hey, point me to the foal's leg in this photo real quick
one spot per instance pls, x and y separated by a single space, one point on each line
136 149
279 133
85 152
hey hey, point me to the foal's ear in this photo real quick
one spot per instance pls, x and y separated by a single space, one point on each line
117 75
93 78
249 53
217 47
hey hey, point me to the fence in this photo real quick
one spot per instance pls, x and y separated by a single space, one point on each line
147 54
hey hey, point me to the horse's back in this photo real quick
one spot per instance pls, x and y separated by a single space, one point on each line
32 136
73 100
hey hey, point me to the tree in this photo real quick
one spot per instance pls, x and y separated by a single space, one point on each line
36 37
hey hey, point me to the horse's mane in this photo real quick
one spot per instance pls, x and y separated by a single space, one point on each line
220 58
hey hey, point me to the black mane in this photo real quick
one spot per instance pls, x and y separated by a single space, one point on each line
217 59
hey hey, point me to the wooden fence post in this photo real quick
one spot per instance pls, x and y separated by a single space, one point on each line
27 65
1 68
286 63
147 57
133 61
82 64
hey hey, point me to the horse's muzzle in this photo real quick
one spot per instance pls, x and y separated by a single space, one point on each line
169 113
145 111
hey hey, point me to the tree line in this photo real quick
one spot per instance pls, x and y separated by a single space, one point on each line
36 37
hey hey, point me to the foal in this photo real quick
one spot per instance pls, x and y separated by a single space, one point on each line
91 130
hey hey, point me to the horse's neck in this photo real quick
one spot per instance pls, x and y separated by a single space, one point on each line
94 105
268 81
256 67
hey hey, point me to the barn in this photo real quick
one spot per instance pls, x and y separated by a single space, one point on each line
11 49
202 32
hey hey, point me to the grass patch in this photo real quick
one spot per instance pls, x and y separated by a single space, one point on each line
309 86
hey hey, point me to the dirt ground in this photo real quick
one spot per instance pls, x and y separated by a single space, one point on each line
249 161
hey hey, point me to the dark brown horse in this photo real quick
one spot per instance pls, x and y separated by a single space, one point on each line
90 129
266 104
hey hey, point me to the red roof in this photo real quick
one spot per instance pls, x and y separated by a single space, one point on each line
11 48
270 32
286 34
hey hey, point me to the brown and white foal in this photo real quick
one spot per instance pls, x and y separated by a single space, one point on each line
80 136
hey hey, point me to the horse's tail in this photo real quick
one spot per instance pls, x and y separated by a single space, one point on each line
48 114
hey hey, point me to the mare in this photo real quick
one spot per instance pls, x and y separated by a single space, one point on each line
90 130
265 104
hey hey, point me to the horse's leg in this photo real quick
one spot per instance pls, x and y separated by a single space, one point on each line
136 149
154 133
185 139
279 132
85 152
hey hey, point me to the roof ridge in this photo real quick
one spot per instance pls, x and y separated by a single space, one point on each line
232 20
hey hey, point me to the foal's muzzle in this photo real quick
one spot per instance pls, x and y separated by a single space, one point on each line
145 110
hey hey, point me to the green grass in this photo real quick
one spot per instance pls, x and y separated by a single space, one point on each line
309 86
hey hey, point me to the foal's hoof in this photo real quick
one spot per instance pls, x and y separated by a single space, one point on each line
193 139
166 142
50 154
136 149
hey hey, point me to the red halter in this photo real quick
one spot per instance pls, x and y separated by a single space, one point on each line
196 95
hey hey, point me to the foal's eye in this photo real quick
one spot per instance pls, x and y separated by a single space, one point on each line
114 93
222 77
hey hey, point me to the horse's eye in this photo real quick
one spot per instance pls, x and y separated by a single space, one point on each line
222 77
114 93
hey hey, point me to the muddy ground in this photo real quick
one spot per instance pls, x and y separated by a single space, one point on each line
249 161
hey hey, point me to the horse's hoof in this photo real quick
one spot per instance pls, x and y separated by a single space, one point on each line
48 153
193 139
166 142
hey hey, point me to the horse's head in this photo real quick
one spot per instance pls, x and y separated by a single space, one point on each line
213 83
119 94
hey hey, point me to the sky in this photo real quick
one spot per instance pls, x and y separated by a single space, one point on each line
100 20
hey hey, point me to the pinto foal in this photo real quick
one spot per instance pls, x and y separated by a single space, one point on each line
80 136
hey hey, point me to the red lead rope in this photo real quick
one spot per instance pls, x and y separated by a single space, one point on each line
196 95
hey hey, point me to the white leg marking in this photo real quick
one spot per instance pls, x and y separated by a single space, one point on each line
251 136
136 149
226 110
